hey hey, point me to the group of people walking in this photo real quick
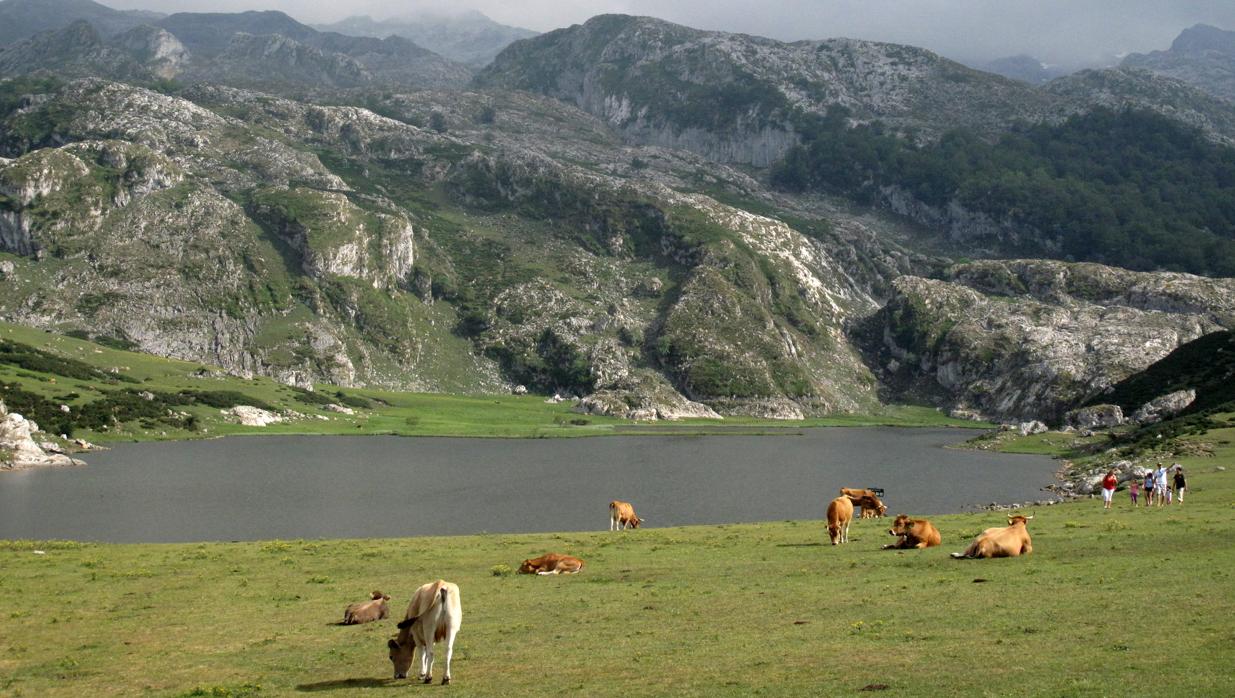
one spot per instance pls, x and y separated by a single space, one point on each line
1159 486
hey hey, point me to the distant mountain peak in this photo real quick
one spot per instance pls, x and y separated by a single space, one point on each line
1202 55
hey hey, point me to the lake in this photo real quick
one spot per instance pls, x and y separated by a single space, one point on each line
249 488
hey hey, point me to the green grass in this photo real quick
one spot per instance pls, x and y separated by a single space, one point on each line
698 611
409 414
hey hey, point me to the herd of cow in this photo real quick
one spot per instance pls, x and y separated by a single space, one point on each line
436 612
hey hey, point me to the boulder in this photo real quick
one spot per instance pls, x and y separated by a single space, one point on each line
18 449
1164 406
341 409
1031 427
1095 417
252 416
519 390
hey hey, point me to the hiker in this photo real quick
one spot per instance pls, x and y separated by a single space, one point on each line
1180 483
1149 488
1109 483
1134 487
1161 485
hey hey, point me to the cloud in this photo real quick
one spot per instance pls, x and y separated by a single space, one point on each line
1067 32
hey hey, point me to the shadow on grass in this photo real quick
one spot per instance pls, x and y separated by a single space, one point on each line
342 684
800 545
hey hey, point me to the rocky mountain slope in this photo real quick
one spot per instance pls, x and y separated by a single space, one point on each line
739 98
1029 339
22 19
469 37
1202 56
252 49
571 226
329 242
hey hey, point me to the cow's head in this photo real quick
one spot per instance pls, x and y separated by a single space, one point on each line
635 521
379 596
1018 519
527 567
401 655
903 525
834 533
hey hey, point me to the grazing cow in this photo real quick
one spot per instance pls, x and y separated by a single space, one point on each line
434 615
622 515
1010 541
840 514
913 533
551 563
367 611
868 499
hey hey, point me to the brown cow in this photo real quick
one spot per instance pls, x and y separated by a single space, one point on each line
622 515
913 533
367 611
551 563
872 507
840 514
1010 541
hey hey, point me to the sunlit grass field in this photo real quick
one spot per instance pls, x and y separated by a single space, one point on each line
767 609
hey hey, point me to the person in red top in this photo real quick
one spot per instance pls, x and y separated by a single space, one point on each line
1108 488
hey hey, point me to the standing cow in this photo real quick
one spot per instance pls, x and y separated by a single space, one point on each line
434 615
1002 541
840 515
622 515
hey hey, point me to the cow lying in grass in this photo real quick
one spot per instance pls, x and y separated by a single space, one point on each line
551 563
1008 541
913 533
367 611
840 515
434 615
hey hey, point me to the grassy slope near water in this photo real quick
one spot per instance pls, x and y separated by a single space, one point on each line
410 414
737 610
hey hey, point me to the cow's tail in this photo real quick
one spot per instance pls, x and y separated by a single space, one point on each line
443 594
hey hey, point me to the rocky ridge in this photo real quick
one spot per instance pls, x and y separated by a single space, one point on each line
1034 339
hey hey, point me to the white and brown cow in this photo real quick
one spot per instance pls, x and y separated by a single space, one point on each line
434 615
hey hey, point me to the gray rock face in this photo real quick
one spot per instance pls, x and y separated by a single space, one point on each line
19 449
662 83
1031 340
1095 417
1164 406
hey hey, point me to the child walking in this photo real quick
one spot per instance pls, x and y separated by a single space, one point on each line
1134 488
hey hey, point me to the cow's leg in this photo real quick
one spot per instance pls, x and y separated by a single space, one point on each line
544 573
418 659
427 661
450 650
612 523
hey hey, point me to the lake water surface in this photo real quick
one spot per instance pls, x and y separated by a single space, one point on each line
248 488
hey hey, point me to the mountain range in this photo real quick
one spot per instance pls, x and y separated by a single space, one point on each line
661 220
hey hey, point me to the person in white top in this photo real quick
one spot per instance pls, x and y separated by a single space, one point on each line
1160 484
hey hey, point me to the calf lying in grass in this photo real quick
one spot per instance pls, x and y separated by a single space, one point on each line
367 611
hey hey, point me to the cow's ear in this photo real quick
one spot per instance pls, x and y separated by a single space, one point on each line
392 644
406 622
909 524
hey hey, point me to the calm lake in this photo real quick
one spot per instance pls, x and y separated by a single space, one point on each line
247 488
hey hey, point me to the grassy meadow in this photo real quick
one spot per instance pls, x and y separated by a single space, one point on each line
737 610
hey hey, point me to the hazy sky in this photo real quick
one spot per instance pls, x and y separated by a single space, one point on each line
1070 32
